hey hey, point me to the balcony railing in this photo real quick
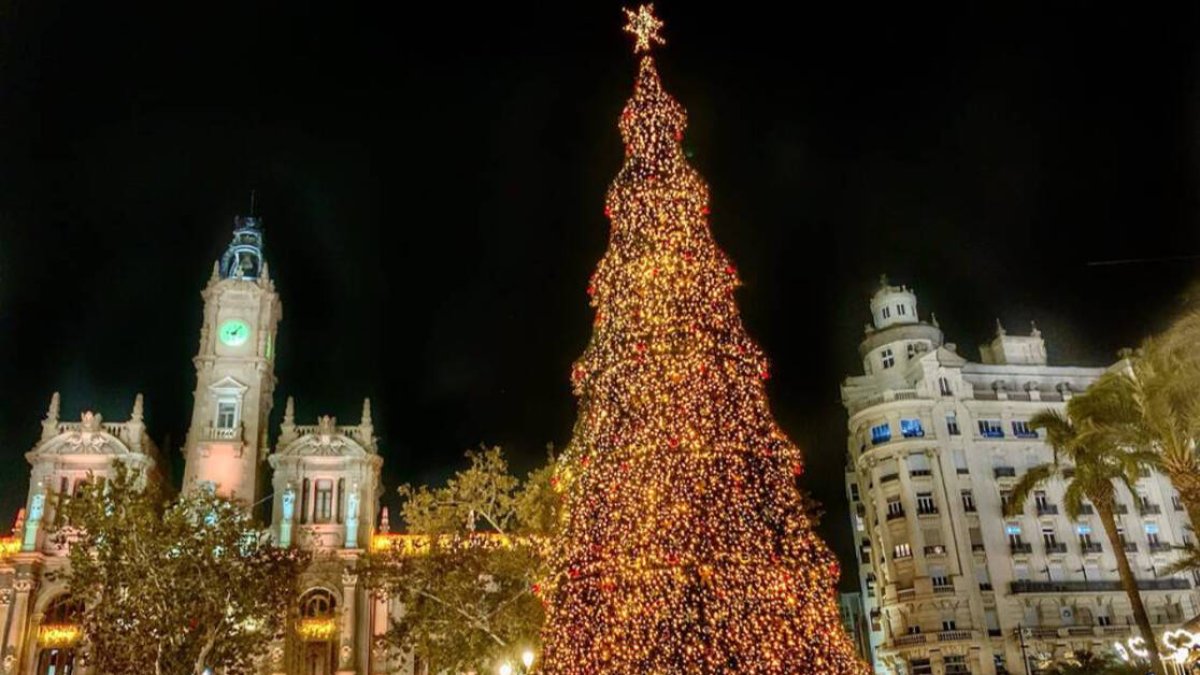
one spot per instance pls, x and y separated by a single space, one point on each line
916 473
1056 547
889 478
1131 547
1160 547
969 508
1121 509
985 586
943 588
978 548
1091 547
1005 472
909 640
935 550
927 511
221 433
1047 509
893 515
1148 509
1172 584
954 635
1020 547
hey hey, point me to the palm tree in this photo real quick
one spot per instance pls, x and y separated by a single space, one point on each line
1161 382
1083 439
1090 663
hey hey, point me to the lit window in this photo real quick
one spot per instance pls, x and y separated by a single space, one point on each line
226 414
991 429
911 428
881 433
323 503
1021 430
902 551
889 359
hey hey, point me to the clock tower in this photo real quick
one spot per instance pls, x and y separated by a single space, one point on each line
235 370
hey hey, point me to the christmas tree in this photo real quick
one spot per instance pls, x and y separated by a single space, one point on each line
687 546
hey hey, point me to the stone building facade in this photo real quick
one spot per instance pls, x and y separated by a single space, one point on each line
323 485
935 442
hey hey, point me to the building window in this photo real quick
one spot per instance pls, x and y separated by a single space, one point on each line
968 501
1042 503
920 667
894 508
911 428
340 497
304 501
323 502
900 310
944 387
1049 536
881 433
226 414
956 665
991 429
888 358
854 491
1013 532
887 312
1021 429
1152 534
925 503
902 551
949 624
1085 535
952 424
1176 503
1005 499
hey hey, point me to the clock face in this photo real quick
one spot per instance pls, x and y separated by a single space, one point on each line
234 332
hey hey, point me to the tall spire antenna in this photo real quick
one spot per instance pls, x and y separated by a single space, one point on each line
252 195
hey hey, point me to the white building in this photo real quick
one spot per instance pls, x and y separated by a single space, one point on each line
935 441
325 490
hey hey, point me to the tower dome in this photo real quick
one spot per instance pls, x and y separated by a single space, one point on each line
893 305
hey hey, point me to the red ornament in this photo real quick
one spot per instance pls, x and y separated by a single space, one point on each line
730 270
797 469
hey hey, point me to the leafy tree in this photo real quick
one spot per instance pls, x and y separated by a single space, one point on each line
1090 663
1102 460
466 569
184 584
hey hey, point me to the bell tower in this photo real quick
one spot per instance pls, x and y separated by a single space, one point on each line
235 370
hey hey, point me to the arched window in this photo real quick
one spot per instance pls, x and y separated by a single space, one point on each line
58 636
317 629
317 604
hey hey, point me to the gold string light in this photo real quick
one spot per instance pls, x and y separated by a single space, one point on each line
686 546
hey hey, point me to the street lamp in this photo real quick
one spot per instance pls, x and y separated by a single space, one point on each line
527 659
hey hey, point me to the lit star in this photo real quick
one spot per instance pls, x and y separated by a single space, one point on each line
645 26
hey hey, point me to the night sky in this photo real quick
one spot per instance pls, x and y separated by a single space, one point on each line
432 176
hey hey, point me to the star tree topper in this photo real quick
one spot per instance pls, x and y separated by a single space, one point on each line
644 26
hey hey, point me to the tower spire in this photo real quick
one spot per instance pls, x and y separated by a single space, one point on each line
243 258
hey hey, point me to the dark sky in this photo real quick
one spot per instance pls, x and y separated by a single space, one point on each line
432 177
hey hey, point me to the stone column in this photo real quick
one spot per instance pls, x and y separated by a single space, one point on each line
347 654
18 618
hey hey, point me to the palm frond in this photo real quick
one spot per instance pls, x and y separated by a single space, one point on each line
1028 482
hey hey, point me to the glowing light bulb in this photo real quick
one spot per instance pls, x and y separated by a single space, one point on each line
505 669
527 658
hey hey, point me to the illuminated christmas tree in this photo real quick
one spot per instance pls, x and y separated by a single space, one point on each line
687 545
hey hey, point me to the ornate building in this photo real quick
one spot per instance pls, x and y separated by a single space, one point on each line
950 585
325 489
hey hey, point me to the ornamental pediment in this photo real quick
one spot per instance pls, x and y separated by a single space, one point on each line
228 385
90 436
323 442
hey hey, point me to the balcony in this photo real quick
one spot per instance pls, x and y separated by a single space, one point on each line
935 550
1148 509
1160 547
1056 547
927 511
221 433
889 478
1019 587
1130 547
1047 509
954 635
1087 510
917 473
894 515
995 632
1019 548
1091 547
986 587
1005 472
978 548
910 640
969 508
944 589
